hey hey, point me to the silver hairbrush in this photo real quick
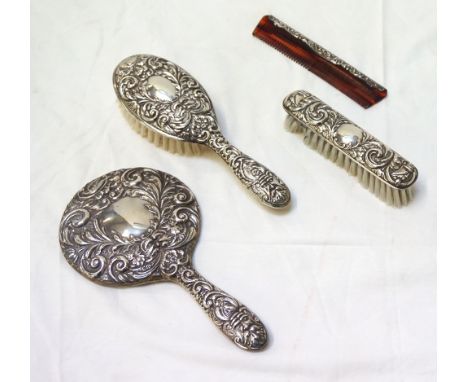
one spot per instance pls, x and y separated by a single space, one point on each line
169 107
378 168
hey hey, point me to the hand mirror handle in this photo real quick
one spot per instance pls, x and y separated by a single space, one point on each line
233 318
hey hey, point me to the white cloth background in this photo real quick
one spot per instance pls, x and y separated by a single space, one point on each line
344 283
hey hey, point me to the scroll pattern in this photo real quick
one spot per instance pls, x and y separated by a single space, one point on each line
190 116
110 258
234 319
264 184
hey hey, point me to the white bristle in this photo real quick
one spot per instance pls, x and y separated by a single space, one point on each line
292 125
160 140
368 180
371 183
396 198
333 155
327 149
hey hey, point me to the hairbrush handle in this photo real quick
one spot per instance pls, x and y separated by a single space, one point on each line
235 320
267 186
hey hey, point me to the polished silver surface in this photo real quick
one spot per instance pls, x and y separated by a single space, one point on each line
357 144
348 135
138 226
127 216
188 116
161 88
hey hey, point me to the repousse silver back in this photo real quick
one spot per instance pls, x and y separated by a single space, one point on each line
183 113
137 226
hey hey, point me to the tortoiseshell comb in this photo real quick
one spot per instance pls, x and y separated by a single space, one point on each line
346 78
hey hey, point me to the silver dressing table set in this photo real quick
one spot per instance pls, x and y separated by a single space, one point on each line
140 226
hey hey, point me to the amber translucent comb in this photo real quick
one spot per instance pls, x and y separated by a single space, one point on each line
346 78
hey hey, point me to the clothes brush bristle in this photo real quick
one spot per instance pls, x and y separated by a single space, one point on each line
390 195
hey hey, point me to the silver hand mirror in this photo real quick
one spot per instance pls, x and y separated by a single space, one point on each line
139 226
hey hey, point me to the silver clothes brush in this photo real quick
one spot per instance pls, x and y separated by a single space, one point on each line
378 168
170 108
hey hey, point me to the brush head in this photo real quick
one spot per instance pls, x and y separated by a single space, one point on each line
377 167
164 98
